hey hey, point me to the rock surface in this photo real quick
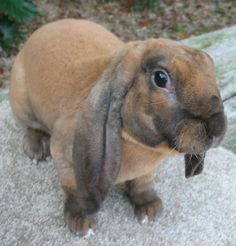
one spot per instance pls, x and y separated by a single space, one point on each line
196 211
3 95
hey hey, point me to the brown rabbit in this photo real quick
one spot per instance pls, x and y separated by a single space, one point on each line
112 112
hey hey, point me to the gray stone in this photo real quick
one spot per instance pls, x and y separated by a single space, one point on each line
198 211
3 95
230 139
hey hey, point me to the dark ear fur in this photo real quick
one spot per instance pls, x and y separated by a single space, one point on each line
97 143
194 164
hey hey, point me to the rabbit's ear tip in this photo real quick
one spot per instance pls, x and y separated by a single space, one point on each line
193 164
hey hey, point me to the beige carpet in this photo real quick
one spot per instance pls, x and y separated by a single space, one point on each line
198 211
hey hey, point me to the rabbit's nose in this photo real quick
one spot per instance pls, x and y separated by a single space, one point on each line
216 105
216 124
216 120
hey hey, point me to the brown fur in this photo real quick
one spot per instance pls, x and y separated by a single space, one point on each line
143 197
108 123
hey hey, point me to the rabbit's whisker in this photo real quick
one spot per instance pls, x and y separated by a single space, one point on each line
172 150
155 103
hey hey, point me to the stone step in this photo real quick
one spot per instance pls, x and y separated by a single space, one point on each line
3 95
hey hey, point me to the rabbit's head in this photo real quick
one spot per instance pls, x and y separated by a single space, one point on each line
175 99
157 91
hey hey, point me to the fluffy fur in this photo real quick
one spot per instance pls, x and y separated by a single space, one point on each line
92 98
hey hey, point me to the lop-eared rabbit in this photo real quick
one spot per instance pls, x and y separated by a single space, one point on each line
109 112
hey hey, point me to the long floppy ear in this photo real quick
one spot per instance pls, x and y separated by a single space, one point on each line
194 164
97 144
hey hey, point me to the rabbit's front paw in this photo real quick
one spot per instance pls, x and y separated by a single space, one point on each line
36 145
78 219
83 226
148 210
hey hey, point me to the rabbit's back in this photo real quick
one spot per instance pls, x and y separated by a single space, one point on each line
60 62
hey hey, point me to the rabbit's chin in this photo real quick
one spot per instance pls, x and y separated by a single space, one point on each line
192 137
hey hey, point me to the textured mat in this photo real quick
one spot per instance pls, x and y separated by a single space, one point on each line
197 211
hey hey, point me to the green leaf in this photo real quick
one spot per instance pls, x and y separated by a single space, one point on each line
19 10
32 8
13 12
10 37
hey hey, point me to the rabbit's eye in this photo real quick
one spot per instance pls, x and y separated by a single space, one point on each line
160 78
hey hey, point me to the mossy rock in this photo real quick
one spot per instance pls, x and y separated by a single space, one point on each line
3 95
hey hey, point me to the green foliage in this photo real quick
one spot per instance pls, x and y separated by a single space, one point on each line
14 13
10 37
139 4
147 4
20 11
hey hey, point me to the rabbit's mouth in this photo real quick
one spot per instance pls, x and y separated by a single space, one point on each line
194 136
